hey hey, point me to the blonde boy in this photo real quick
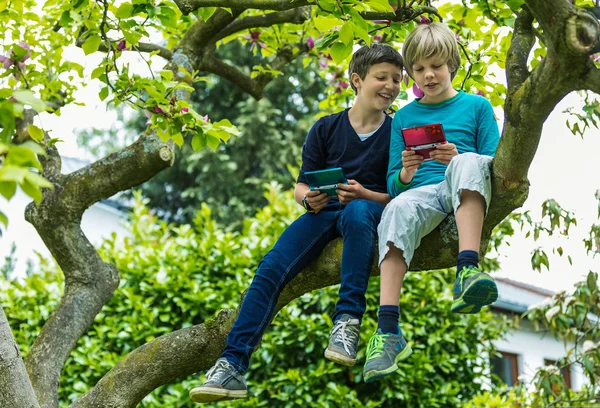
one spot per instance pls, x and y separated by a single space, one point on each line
424 193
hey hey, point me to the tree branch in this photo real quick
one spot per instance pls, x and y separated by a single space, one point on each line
188 6
294 16
89 282
15 388
252 86
141 47
521 43
199 34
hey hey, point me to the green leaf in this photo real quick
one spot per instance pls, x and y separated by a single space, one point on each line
212 142
132 37
206 12
325 24
347 33
103 94
91 44
36 133
199 141
8 189
27 97
32 191
13 173
178 139
592 281
38 181
3 219
124 11
340 51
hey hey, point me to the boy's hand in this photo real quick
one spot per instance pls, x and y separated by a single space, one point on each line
444 153
411 161
351 191
317 199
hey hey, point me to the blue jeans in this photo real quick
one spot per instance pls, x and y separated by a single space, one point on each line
298 246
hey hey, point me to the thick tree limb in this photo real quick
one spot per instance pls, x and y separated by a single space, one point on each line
522 41
200 33
252 86
188 6
89 282
15 388
294 16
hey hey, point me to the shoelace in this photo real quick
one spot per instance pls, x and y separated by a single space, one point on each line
376 345
344 334
217 371
466 273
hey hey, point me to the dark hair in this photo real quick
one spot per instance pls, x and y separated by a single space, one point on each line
369 55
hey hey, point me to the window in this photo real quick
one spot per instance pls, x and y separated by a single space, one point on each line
565 371
505 368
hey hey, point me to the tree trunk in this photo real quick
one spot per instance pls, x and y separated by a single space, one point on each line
15 388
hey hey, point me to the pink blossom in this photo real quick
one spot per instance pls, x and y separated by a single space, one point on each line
6 62
253 38
9 61
418 93
205 118
323 62
377 37
186 110
461 22
254 35
424 20
148 114
122 46
343 84
480 93
26 46
310 43
406 79
158 109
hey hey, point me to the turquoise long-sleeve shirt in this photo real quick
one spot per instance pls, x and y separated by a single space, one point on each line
468 122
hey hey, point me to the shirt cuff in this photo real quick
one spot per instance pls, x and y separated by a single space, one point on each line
400 185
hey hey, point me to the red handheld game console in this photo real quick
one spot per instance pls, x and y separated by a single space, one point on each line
424 139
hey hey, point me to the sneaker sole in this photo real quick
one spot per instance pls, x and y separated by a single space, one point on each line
375 375
480 293
339 358
210 394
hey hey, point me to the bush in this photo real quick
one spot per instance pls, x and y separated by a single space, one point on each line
174 277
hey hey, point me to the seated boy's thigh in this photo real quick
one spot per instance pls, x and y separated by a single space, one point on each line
303 240
409 217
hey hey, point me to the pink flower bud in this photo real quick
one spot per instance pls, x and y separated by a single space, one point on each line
310 43
343 84
480 93
424 20
185 110
377 37
121 46
158 109
6 62
323 62
254 35
461 22
148 114
418 93
205 118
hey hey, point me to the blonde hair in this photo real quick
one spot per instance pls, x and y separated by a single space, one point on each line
431 40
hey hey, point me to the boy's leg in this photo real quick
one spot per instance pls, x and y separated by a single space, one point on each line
357 224
405 221
468 182
299 244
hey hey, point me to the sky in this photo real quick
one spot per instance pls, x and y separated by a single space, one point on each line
565 168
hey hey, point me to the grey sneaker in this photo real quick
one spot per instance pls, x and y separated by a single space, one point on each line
384 352
473 290
343 340
223 382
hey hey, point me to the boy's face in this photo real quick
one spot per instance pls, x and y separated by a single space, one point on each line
433 78
380 87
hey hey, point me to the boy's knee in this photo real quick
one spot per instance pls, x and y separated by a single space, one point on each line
361 209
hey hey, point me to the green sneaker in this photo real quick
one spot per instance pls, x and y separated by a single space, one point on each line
384 352
473 290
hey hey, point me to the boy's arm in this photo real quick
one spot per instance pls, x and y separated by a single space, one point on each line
488 134
397 146
381 198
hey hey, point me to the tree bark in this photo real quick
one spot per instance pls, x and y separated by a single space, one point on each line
15 388
89 281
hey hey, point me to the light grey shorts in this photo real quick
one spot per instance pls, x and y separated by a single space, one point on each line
415 213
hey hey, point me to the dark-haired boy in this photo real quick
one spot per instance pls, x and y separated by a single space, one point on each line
357 140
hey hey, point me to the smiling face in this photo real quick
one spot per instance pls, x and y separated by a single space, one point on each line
379 88
434 78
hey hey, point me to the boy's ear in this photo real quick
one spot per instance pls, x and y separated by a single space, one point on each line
356 81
